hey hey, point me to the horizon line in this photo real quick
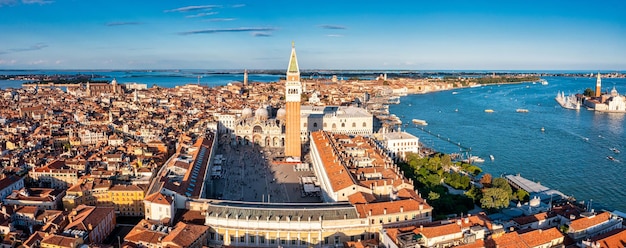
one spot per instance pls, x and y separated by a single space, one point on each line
316 69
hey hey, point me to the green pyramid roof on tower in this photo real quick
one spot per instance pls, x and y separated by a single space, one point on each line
293 61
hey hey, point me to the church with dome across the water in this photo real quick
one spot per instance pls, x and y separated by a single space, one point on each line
609 102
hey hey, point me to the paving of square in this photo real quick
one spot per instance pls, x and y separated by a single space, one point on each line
248 174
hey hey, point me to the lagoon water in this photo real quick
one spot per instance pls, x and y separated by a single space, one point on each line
570 155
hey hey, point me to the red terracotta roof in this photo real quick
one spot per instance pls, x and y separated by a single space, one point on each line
615 238
159 198
378 208
542 237
583 223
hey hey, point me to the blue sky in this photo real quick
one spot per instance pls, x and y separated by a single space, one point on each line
419 35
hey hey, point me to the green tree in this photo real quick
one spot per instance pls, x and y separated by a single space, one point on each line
446 161
433 196
589 92
522 195
495 198
502 183
475 194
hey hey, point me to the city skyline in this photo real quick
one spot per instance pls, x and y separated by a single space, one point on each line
455 35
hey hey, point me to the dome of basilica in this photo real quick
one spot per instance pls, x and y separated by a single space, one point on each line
246 112
261 113
281 114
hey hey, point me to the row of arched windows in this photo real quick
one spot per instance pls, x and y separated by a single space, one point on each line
335 125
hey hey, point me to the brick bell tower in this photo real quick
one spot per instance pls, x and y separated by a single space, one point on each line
293 89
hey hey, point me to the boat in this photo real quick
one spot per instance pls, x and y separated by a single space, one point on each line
543 82
420 122
491 157
615 150
612 158
454 92
473 159
521 110
476 85
543 129
477 159
489 111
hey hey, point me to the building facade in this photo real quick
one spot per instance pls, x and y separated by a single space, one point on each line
398 144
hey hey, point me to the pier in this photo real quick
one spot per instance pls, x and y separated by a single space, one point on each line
457 144
534 189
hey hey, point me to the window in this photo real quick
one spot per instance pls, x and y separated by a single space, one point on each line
353 124
262 239
242 239
326 240
293 242
304 125
336 239
314 124
343 124
364 124
251 239
282 242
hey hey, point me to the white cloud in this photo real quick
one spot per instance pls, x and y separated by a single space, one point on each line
202 14
7 2
193 8
40 2
37 62
7 62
